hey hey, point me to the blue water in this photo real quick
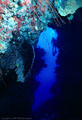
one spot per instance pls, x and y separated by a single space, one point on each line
47 76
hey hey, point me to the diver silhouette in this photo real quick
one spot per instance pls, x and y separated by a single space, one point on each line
54 43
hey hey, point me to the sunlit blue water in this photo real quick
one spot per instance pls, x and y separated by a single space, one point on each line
47 76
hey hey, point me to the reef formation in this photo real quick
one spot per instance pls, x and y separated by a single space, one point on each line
21 22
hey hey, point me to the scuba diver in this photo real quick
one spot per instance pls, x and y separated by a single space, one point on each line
54 42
